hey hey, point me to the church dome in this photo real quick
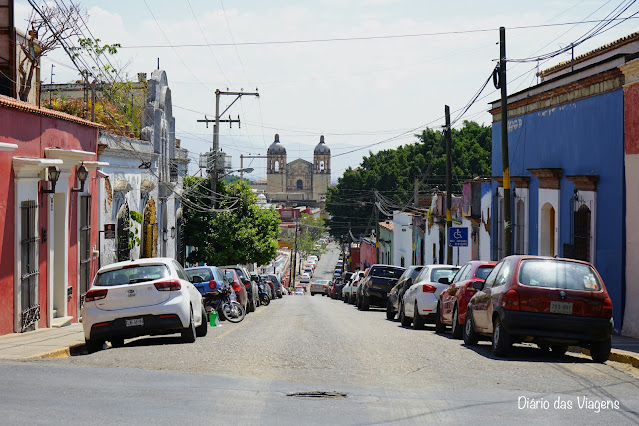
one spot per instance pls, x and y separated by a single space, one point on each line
276 148
321 147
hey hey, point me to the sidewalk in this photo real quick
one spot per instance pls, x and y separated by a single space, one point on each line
43 343
67 341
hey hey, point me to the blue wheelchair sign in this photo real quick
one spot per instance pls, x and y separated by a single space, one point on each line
458 237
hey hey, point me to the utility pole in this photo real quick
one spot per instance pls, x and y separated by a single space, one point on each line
504 142
376 235
294 258
217 164
449 216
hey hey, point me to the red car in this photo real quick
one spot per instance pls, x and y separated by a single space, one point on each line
451 309
552 302
238 288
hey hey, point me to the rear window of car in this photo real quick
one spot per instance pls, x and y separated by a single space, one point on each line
132 275
558 274
438 273
205 273
228 274
386 272
483 271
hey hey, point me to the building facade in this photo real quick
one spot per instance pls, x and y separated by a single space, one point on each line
298 181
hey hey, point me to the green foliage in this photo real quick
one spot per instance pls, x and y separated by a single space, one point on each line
134 232
392 172
242 233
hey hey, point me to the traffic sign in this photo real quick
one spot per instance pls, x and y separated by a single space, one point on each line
458 237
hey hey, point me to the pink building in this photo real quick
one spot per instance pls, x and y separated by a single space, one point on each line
48 237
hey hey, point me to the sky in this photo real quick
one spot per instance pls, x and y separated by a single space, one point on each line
366 74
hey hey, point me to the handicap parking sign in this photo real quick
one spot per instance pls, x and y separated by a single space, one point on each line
458 237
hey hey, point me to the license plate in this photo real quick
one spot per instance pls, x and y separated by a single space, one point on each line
134 322
561 308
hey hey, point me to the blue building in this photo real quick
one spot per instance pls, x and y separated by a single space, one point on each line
566 142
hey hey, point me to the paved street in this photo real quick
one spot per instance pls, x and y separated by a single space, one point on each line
241 373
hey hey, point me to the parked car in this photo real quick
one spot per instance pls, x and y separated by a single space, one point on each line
337 273
251 286
397 292
552 302
210 277
374 287
299 291
308 270
419 303
337 288
305 278
319 287
350 289
278 285
240 290
453 301
142 297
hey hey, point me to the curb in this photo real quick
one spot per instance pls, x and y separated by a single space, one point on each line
61 352
616 355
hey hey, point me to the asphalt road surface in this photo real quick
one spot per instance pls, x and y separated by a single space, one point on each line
374 371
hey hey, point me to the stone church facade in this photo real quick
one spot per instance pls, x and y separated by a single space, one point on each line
300 181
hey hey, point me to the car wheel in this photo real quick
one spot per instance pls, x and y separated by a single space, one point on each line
117 342
390 314
418 320
501 339
203 328
312 294
559 350
600 351
366 303
93 345
439 325
403 319
188 333
470 335
358 303
457 329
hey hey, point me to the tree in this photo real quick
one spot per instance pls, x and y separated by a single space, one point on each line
45 33
240 233
392 173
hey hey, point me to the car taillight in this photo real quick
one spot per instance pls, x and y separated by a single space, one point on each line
93 295
236 287
427 288
212 284
168 285
511 300
606 310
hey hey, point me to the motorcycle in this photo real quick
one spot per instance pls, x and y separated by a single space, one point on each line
220 301
264 297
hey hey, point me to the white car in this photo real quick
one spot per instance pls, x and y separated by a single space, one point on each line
313 258
305 278
420 300
350 290
141 297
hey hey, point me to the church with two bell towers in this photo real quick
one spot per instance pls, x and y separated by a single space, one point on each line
300 181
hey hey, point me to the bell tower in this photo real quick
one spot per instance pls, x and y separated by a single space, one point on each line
321 171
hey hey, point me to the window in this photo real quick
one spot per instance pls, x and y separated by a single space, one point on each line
300 184
180 271
442 273
504 274
85 245
490 279
30 268
483 271
132 275
462 274
558 274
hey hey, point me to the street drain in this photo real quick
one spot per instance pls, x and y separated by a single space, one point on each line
318 394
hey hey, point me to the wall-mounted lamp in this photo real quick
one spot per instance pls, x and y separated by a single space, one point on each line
53 174
81 174
173 232
165 236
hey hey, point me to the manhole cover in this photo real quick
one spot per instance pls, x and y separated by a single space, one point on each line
318 394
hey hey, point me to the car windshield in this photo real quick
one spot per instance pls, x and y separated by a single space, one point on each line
131 275
558 274
205 273
483 271
386 272
438 273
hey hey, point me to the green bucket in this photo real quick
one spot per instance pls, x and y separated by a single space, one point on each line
213 318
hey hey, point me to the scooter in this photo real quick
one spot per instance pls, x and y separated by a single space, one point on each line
264 297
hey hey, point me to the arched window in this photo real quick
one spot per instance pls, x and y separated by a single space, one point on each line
547 230
277 166
123 225
300 184
321 166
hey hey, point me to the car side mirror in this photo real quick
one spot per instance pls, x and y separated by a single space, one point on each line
409 282
195 279
443 280
478 285
246 282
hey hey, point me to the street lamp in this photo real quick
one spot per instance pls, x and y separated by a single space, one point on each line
242 171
